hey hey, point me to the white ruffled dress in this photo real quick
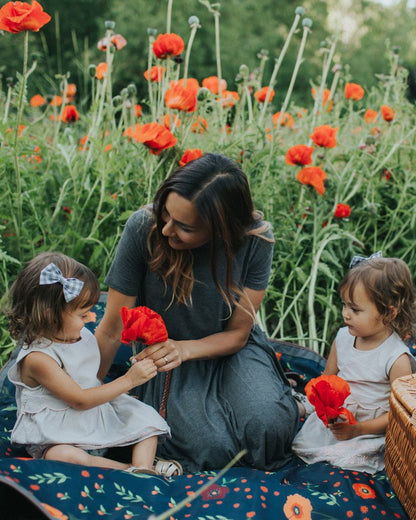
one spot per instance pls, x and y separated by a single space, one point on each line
44 420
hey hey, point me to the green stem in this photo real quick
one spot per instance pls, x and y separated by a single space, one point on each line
306 30
169 16
277 67
16 136
320 94
149 81
194 28
219 71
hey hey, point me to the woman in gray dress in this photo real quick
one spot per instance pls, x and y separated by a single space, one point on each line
200 256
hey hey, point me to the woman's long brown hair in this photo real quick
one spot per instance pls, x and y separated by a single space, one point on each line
220 192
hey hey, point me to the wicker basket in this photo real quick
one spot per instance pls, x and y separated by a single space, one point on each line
401 442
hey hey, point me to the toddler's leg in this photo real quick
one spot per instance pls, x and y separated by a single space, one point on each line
144 452
74 455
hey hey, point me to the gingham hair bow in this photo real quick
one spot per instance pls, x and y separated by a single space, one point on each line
52 274
358 259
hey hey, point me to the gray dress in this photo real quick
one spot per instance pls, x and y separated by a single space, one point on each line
43 420
215 407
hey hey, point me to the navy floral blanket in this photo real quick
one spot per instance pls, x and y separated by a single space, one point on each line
39 489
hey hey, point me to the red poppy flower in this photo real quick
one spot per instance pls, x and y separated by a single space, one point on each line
327 394
300 154
101 70
370 116
70 114
342 211
324 136
190 83
229 98
156 73
212 83
181 98
190 155
138 110
56 101
20 16
71 90
169 44
326 98
261 94
297 507
142 324
354 91
388 113
313 176
171 121
364 491
199 126
37 100
286 119
154 136
116 41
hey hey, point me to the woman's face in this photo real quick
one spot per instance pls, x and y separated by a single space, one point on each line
182 225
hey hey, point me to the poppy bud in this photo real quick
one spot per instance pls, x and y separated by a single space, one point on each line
131 89
370 139
91 70
124 93
151 31
203 93
307 22
117 101
244 70
193 20
109 24
300 11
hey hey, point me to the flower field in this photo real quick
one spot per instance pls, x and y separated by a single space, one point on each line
335 178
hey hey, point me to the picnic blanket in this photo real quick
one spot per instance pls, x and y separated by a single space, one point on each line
40 489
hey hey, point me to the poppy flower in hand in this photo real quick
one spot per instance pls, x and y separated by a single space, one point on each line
143 325
16 17
327 394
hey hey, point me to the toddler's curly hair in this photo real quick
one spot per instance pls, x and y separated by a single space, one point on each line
389 284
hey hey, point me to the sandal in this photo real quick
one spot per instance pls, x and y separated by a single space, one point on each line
168 468
143 471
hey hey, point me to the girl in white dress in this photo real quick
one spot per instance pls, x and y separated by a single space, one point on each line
64 412
369 353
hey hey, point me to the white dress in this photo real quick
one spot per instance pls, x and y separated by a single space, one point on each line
44 420
367 373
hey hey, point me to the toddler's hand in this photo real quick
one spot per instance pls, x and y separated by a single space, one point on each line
141 371
342 430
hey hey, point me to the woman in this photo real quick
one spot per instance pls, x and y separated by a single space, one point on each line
201 257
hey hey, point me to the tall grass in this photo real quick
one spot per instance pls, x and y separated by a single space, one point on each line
70 186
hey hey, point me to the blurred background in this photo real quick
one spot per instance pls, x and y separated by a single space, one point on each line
365 30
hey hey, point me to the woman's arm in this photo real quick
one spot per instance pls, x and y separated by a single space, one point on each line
40 369
108 332
231 340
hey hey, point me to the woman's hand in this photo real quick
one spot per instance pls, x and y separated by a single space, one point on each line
166 355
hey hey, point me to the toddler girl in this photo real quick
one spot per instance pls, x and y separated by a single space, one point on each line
369 353
63 411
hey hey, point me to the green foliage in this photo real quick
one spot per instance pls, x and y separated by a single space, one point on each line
70 186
